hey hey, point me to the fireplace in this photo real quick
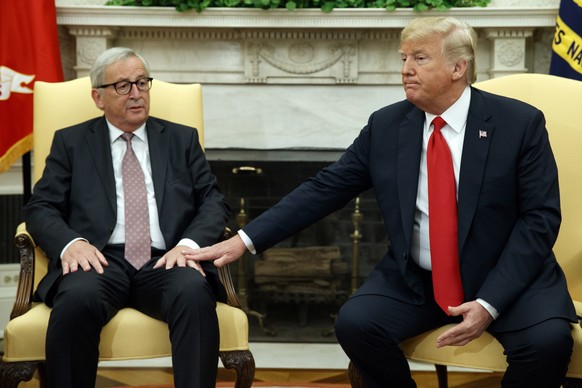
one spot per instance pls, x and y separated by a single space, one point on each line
296 305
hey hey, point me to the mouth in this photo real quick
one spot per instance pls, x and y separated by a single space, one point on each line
409 85
135 108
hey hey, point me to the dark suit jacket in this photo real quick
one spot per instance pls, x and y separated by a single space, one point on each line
508 205
76 195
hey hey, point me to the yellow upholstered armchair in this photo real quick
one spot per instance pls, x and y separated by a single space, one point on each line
559 99
58 105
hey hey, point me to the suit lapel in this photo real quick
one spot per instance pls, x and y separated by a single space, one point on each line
409 149
98 141
158 143
478 135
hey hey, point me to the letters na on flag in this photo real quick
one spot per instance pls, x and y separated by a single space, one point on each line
29 51
567 45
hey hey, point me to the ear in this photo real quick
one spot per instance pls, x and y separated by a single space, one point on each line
97 98
459 70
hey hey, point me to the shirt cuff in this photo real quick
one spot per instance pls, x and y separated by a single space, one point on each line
492 310
189 243
71 243
247 241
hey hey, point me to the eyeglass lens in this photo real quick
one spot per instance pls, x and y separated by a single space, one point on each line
124 87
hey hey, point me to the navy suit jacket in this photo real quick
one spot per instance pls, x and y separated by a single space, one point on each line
76 196
508 207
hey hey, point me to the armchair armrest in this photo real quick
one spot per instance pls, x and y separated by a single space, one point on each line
25 244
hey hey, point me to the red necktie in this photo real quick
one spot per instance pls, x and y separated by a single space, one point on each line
442 211
137 221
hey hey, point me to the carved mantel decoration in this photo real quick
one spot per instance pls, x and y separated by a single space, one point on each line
282 55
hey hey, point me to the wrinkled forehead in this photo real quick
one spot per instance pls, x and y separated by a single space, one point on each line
128 69
415 46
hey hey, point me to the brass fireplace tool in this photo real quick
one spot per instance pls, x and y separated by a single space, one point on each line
241 219
356 236
357 218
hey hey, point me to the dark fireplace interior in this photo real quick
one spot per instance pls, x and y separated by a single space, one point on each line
298 303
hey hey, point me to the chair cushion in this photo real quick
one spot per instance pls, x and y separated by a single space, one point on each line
122 338
482 353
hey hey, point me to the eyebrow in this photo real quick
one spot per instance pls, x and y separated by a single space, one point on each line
128 80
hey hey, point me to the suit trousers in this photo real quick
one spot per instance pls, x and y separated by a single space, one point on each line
85 301
370 327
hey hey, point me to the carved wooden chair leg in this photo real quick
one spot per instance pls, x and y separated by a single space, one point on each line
243 363
441 371
355 377
13 373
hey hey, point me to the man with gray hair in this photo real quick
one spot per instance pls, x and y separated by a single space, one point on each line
121 197
468 189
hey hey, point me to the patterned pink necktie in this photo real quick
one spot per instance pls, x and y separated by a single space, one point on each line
442 211
137 222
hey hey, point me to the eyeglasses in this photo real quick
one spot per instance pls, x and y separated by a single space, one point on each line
124 87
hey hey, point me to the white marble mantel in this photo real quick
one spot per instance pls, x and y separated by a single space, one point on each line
291 80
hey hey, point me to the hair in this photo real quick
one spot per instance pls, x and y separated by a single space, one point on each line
459 40
110 56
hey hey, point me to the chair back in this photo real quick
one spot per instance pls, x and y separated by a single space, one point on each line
61 104
559 98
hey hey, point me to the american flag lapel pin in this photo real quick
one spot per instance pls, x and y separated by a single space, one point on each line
482 134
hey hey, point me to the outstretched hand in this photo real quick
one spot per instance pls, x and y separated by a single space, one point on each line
222 253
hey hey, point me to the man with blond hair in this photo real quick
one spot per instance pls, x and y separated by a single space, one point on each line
468 189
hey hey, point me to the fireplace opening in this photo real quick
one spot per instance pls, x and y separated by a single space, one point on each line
292 291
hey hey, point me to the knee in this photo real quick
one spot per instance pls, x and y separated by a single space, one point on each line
353 325
76 298
554 346
190 289
75 304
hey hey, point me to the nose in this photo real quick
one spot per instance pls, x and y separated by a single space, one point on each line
406 66
134 91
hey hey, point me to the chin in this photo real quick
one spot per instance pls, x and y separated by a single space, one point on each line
410 96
